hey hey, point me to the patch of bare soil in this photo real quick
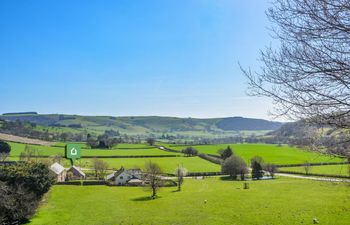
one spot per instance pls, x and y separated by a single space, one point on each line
24 140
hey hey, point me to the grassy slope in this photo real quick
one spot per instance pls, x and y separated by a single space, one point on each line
270 153
329 169
282 201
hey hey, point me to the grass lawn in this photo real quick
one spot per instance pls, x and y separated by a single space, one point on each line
274 202
168 165
122 149
270 153
341 170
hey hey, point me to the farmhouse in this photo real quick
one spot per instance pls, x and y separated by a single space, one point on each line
75 173
123 177
59 171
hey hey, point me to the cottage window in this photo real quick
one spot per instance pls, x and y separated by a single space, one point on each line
121 178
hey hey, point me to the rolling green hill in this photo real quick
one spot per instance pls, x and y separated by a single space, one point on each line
143 125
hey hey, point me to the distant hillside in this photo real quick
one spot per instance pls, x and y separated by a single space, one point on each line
297 129
240 123
20 113
146 124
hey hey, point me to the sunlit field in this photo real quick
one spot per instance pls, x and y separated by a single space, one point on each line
280 201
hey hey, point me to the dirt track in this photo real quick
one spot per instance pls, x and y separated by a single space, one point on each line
13 138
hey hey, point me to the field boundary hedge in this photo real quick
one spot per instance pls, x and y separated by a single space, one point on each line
84 182
210 158
192 174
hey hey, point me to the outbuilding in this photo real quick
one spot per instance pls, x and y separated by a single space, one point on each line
58 171
75 173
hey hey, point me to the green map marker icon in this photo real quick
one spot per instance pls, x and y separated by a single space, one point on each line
73 152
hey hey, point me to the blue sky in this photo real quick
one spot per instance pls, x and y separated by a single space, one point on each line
168 58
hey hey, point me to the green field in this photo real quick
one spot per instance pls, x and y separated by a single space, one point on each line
270 153
280 201
341 170
168 164
122 150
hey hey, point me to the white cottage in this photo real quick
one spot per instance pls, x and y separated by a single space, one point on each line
59 171
123 177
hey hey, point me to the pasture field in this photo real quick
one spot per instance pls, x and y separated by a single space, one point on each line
270 153
341 170
274 202
167 164
122 150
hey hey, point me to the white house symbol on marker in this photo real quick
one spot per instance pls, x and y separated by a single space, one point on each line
73 151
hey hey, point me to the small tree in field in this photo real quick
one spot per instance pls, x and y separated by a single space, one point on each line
153 176
226 153
257 171
180 173
307 167
257 159
234 166
151 141
190 151
4 150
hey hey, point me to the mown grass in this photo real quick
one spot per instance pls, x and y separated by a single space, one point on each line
274 202
270 153
340 170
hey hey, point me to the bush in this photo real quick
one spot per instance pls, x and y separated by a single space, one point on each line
21 187
190 151
4 150
4 147
33 176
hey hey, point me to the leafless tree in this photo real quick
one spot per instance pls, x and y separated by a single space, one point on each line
180 173
57 158
308 74
153 177
30 154
100 167
271 168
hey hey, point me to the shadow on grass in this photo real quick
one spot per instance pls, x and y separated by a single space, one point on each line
144 199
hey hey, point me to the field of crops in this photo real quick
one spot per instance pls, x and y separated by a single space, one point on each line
270 153
340 170
274 202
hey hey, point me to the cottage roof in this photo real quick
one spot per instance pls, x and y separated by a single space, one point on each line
57 168
77 169
115 173
134 173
